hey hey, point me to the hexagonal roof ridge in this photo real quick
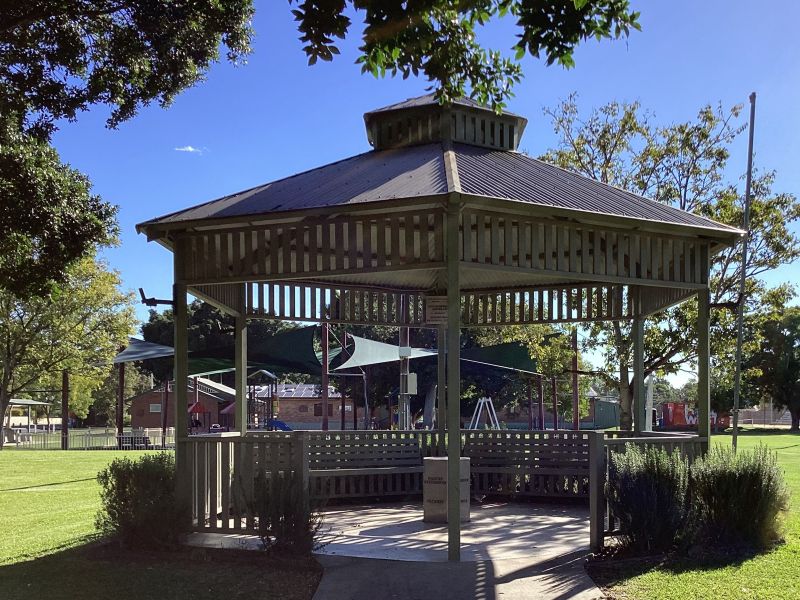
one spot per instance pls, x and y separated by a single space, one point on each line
430 100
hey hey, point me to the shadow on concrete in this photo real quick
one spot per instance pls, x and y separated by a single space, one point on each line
349 578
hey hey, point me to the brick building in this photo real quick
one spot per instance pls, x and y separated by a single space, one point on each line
211 398
300 407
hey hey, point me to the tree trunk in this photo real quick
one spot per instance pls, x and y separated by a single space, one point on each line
4 400
625 403
795 418
622 344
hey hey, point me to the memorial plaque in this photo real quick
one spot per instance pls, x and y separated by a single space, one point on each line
434 489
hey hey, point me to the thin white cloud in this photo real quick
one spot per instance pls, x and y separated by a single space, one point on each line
190 149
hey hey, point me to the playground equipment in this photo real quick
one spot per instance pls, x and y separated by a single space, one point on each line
491 415
278 425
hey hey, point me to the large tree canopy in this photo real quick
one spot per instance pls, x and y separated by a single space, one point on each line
49 217
60 57
439 38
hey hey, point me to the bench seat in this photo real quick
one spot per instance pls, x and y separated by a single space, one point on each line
363 471
365 468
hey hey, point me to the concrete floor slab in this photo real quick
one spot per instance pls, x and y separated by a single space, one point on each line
501 530
385 551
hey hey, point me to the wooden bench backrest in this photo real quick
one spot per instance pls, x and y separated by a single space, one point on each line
520 452
364 453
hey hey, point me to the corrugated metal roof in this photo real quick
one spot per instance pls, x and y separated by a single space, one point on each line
430 100
418 171
300 390
370 177
515 176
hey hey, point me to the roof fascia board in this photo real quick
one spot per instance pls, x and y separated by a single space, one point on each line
155 229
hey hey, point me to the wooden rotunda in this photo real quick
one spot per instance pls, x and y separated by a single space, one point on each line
443 206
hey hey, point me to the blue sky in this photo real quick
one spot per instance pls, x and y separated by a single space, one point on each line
277 116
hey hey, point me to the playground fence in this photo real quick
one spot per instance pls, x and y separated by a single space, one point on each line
94 439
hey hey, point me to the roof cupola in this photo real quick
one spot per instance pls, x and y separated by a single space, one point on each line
423 120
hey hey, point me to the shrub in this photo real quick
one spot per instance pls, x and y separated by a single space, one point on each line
287 521
138 501
646 491
738 498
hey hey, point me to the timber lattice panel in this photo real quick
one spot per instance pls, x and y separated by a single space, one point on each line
502 240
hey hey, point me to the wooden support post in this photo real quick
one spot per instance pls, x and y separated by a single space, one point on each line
453 388
120 402
365 388
576 415
325 331
341 397
403 400
181 372
164 409
530 405
540 396
554 389
272 400
301 456
639 399
441 385
240 364
597 482
703 360
64 410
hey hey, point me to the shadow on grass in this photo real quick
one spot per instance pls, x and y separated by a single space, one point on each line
103 571
41 485
758 431
610 571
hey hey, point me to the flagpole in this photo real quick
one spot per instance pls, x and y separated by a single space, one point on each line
737 384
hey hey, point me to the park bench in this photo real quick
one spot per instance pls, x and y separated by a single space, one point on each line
350 465
528 464
135 442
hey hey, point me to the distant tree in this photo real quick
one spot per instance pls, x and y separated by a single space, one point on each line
682 164
103 409
78 328
209 328
663 391
778 359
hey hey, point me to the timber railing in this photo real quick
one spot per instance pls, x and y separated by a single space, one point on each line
602 523
225 468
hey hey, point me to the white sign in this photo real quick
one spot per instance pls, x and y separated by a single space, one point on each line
412 384
436 310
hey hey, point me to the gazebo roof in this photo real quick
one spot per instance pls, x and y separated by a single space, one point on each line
546 242
419 171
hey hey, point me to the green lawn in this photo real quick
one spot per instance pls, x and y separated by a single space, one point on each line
775 574
48 549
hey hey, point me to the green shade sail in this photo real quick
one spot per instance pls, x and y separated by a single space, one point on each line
512 356
369 352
